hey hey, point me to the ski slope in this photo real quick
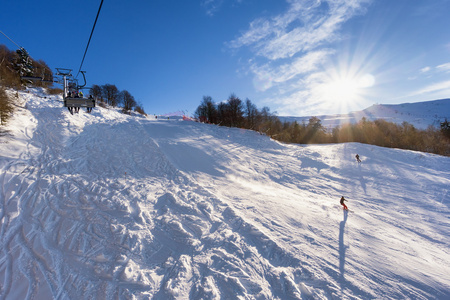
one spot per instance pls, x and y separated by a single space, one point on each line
110 206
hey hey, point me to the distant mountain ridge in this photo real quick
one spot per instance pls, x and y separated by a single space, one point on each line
419 114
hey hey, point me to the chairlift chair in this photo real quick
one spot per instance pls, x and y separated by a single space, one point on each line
71 91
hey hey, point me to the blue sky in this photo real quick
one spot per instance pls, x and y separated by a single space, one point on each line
298 57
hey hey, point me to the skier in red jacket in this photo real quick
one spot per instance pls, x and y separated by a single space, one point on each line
343 204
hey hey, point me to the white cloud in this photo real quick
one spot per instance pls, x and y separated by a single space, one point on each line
266 75
305 26
213 6
444 67
426 69
435 87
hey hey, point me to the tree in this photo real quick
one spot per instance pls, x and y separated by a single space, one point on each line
139 108
111 94
315 132
6 107
264 120
235 111
200 113
222 114
445 128
207 111
127 100
251 114
8 75
23 63
42 70
96 92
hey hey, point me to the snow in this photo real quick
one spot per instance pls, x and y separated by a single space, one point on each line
419 114
106 205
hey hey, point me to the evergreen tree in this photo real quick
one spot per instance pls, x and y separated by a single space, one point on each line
445 128
24 63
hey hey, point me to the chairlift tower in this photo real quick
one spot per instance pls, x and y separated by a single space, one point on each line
65 73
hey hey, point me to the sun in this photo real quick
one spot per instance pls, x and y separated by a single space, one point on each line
346 90
342 90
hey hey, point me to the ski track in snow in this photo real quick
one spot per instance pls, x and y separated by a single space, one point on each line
108 206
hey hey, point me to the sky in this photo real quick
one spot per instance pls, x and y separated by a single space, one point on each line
297 57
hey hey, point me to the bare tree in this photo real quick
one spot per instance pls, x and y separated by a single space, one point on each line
139 108
251 114
207 111
127 100
96 92
111 94
235 110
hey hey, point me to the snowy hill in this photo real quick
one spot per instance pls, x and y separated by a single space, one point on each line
108 206
419 114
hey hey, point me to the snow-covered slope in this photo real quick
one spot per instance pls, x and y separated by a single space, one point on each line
419 114
107 206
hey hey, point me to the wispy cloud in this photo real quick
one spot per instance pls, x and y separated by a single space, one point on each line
291 47
432 88
444 67
213 6
305 64
305 26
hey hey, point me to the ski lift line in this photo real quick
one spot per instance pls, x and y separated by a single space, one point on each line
10 40
92 31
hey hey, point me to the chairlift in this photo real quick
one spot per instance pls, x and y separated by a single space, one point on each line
73 98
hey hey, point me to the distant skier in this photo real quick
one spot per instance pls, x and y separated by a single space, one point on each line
357 158
343 204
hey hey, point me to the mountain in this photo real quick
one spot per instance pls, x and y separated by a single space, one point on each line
111 206
419 114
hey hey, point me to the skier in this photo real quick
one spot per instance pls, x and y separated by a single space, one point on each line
357 158
343 204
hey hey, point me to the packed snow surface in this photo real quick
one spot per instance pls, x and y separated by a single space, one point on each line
106 206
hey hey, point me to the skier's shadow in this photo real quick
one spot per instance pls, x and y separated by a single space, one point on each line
342 249
361 179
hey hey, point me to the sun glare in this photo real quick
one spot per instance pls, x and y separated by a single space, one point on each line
342 90
345 91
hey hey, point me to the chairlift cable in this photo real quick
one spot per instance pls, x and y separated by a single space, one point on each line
11 40
93 27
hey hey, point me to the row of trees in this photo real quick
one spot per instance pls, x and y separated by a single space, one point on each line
109 94
236 113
